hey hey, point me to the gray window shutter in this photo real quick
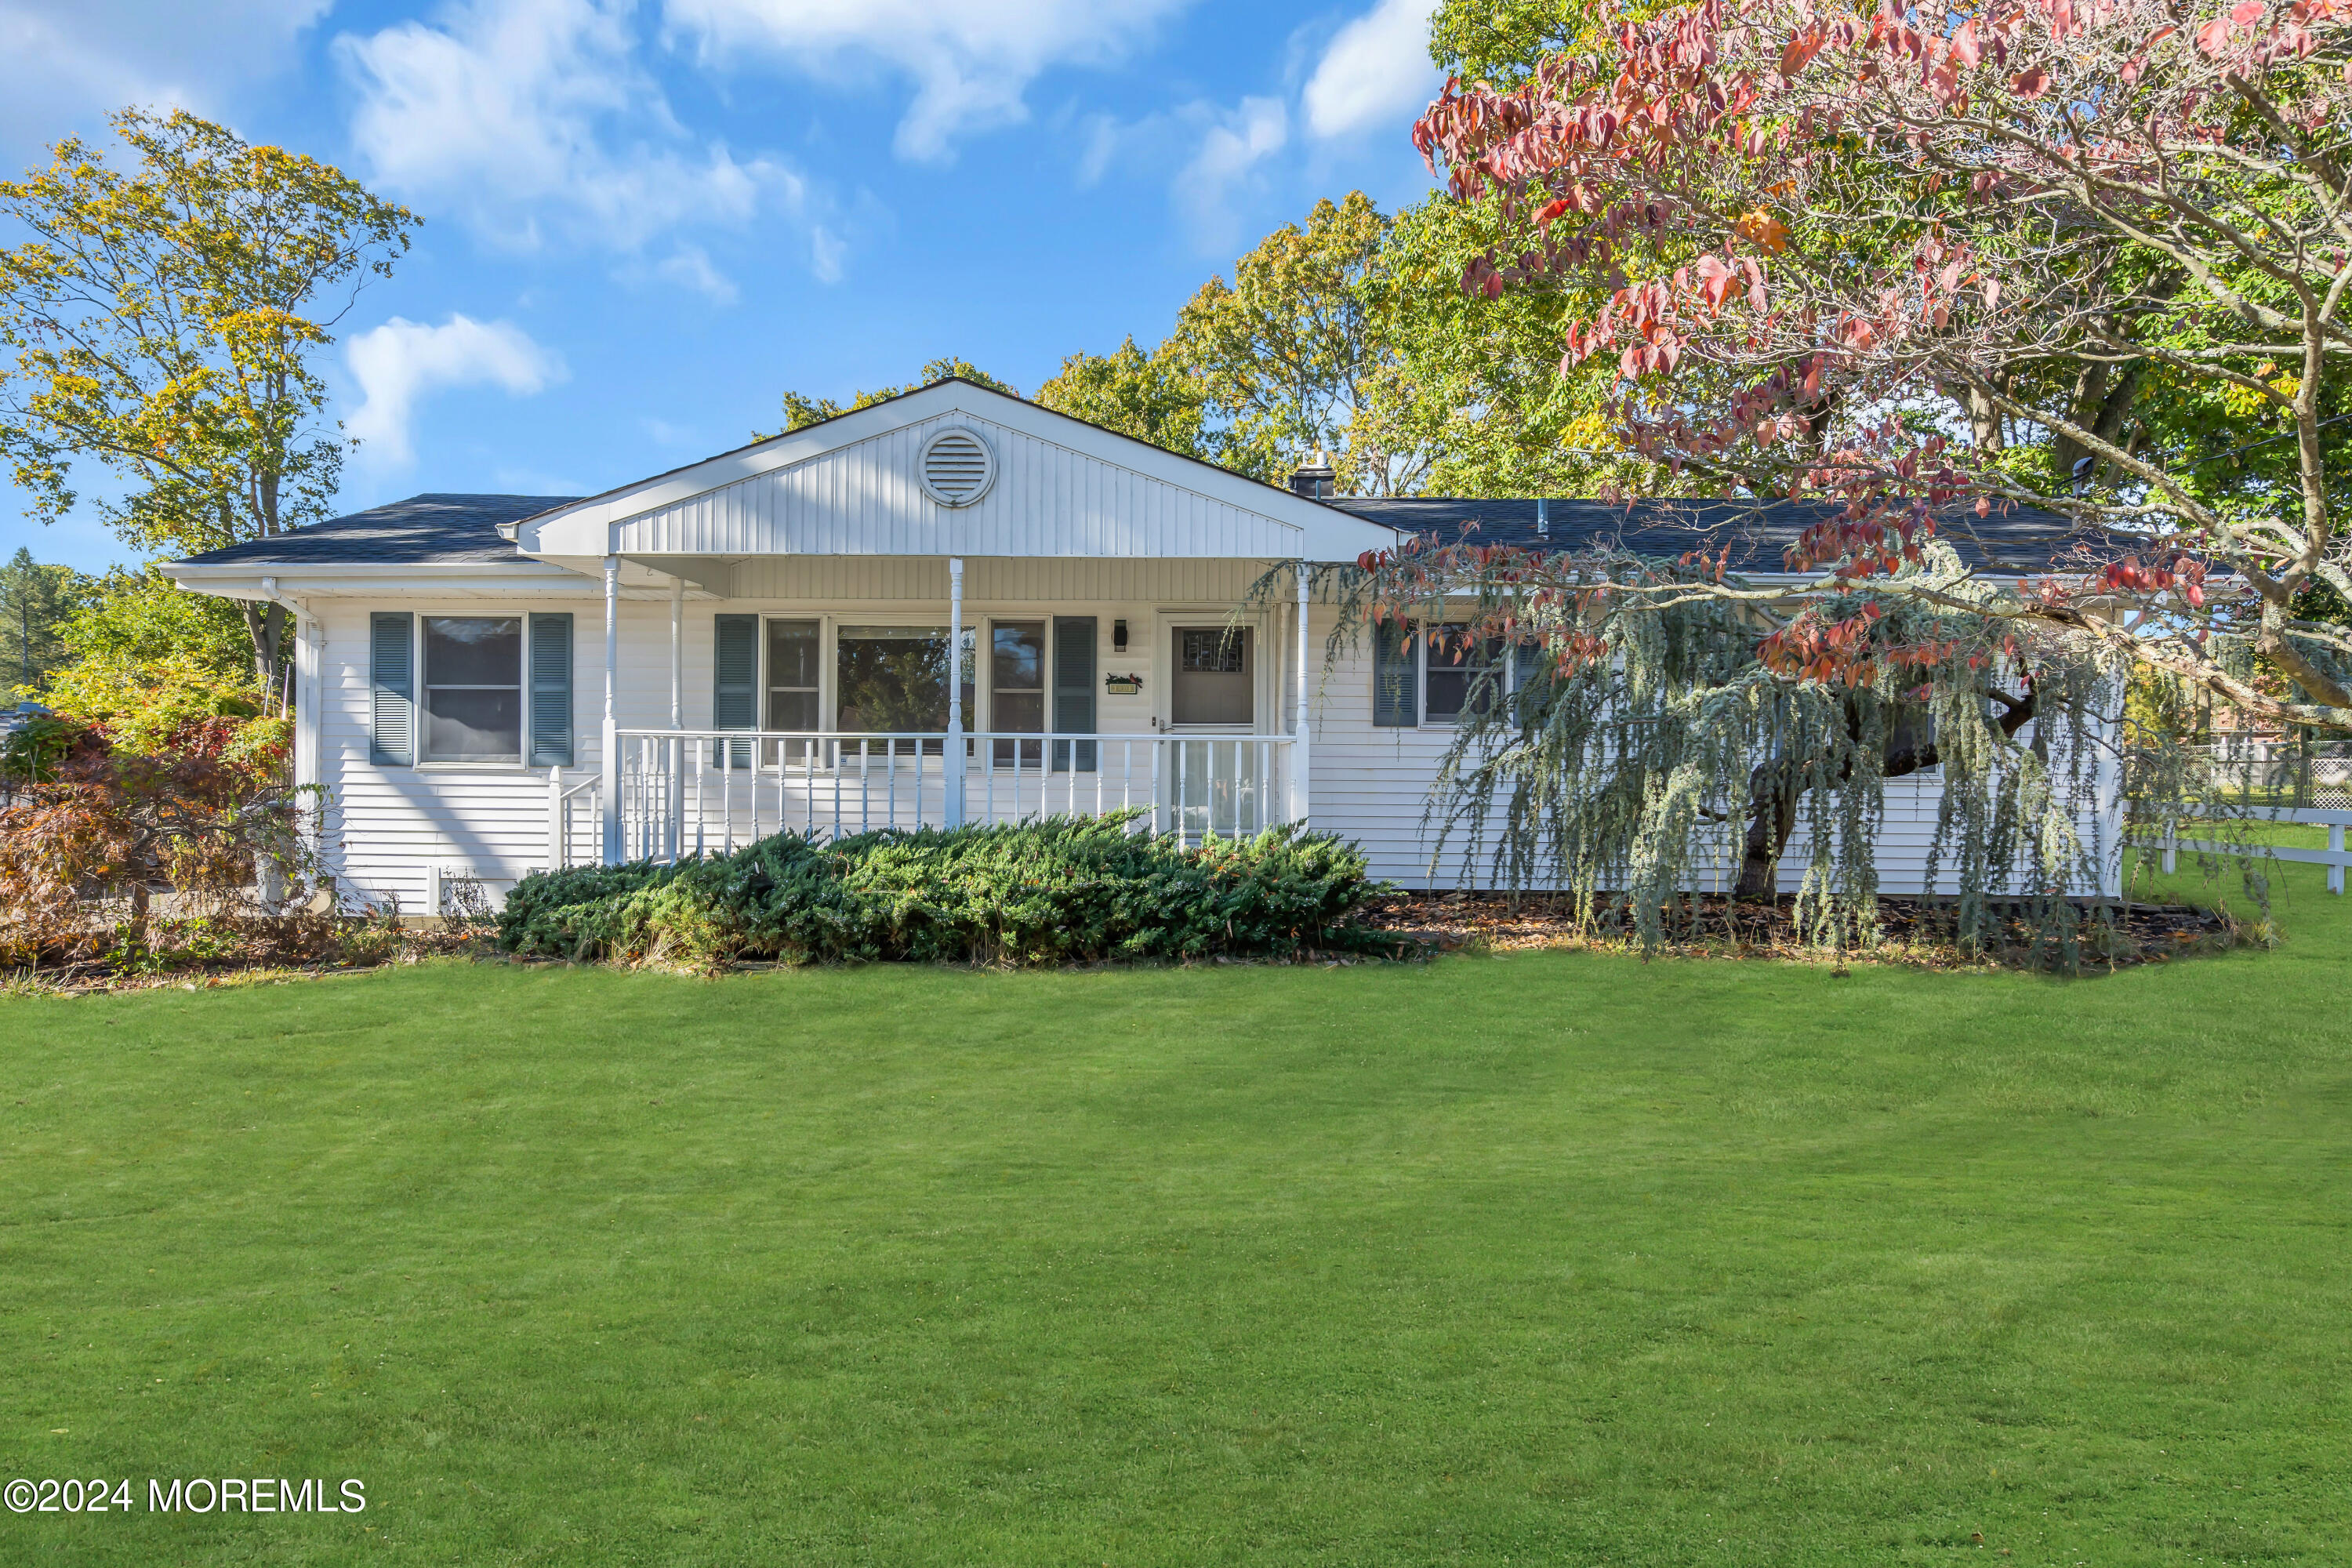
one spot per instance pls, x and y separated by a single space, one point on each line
392 679
1395 704
550 691
735 695
1073 689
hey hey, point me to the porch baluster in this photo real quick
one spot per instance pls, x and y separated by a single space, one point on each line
701 757
1264 764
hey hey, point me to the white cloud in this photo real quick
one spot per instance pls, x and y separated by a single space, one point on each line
826 251
689 266
1233 147
972 61
526 114
64 62
1376 74
1102 134
398 362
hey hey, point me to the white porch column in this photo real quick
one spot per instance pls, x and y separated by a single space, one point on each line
952 774
1298 780
555 819
677 653
674 764
309 689
611 759
309 699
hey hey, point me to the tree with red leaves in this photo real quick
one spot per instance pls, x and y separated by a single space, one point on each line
1927 268
89 831
1911 271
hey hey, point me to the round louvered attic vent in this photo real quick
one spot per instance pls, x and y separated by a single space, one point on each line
957 466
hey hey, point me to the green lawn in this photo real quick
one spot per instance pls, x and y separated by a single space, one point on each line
1552 1259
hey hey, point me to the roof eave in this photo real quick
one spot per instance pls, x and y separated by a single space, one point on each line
270 579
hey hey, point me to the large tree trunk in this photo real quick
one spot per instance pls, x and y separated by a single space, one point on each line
265 624
2106 393
1773 794
1771 817
1984 416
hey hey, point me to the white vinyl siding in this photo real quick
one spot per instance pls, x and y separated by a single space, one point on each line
868 498
1368 784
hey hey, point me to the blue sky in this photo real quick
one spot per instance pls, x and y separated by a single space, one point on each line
645 222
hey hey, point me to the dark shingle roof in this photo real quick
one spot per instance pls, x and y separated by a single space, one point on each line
2024 541
454 528
421 531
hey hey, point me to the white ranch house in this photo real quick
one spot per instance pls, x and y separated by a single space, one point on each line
488 685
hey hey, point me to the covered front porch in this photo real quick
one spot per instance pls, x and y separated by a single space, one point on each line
1106 654
1009 738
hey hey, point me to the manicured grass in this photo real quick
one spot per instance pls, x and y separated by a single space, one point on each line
1554 1259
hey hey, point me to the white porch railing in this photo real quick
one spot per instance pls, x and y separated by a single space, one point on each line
575 820
685 792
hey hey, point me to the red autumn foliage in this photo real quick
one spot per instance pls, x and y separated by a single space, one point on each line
1819 245
89 834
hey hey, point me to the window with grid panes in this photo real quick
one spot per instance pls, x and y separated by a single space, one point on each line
1457 670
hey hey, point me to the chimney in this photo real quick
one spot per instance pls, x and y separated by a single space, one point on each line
1314 480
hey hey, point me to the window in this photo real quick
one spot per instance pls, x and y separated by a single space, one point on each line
473 688
892 680
1212 677
1016 689
793 658
1455 670
1433 674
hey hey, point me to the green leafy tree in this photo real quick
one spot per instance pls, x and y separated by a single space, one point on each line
165 323
1477 384
1147 395
1503 41
1288 354
143 617
35 603
802 410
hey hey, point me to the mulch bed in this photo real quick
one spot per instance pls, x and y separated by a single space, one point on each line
1423 924
1914 928
258 961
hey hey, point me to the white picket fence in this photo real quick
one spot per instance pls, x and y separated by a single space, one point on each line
2334 857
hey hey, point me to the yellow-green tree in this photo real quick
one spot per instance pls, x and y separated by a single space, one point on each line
1287 355
1149 397
165 321
800 410
143 616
